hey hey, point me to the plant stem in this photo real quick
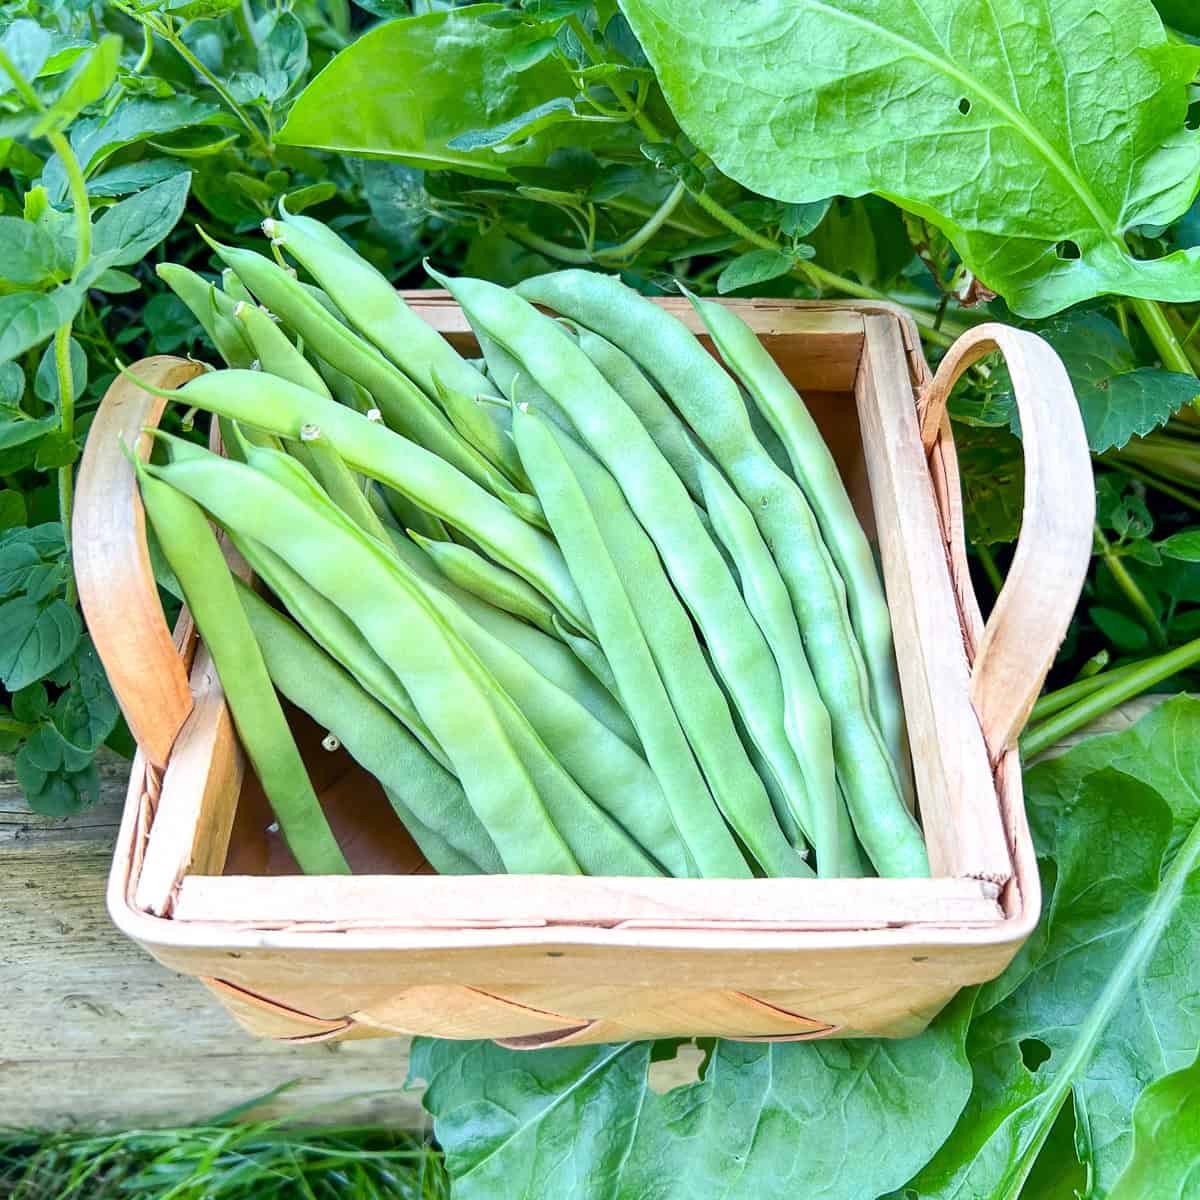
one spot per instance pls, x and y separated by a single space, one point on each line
987 561
1158 329
636 241
1072 693
1153 481
1133 593
1144 677
79 201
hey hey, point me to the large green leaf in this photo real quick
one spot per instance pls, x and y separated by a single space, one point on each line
436 79
1035 133
1101 1002
128 231
1166 1140
773 1122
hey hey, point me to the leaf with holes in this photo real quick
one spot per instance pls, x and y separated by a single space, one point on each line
1034 133
772 1121
1100 1002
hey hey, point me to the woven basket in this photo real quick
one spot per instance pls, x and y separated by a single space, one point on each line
201 882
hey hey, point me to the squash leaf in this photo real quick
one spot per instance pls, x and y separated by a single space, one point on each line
1034 133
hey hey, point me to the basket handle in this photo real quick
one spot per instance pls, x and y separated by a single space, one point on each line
1034 608
112 563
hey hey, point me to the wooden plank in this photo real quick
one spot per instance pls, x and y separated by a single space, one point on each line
95 1033
959 807
444 902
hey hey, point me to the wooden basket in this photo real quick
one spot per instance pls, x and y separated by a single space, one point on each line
201 882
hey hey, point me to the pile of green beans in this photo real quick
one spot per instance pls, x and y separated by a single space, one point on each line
593 603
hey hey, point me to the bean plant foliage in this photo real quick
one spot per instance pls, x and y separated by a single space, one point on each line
1025 161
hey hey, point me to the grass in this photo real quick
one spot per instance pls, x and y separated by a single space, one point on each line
227 1158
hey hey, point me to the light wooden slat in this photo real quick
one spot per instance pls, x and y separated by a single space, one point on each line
413 902
959 808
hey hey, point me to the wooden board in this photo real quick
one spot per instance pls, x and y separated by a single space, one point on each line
95 1033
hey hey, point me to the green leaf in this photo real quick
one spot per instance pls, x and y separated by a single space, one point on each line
133 177
23 551
45 382
89 79
426 90
523 124
28 45
1185 546
1028 131
991 466
306 197
801 219
86 713
27 257
115 282
13 511
128 231
139 119
30 703
769 1121
1107 985
1166 1140
283 56
28 318
757 266
1124 632
1117 399
34 639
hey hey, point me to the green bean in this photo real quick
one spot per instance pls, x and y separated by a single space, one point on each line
427 798
449 686
710 402
190 547
343 389
404 406
340 484
817 474
428 481
612 774
213 309
494 584
819 812
517 385
661 422
473 421
275 352
438 851
639 671
339 637
398 513
695 694
591 656
234 288
662 506
374 308
548 655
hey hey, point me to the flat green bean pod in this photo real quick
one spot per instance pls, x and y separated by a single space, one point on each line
451 690
213 309
517 385
820 812
661 422
491 583
427 798
475 422
275 352
431 483
638 670
695 694
404 406
666 512
591 656
711 403
818 475
233 287
190 547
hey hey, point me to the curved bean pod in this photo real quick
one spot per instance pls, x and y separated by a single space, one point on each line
428 481
474 421
275 353
712 405
451 690
190 547
666 512
404 406
820 812
422 791
493 584
817 473
213 309
639 672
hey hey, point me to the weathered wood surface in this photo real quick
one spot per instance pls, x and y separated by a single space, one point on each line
94 1032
